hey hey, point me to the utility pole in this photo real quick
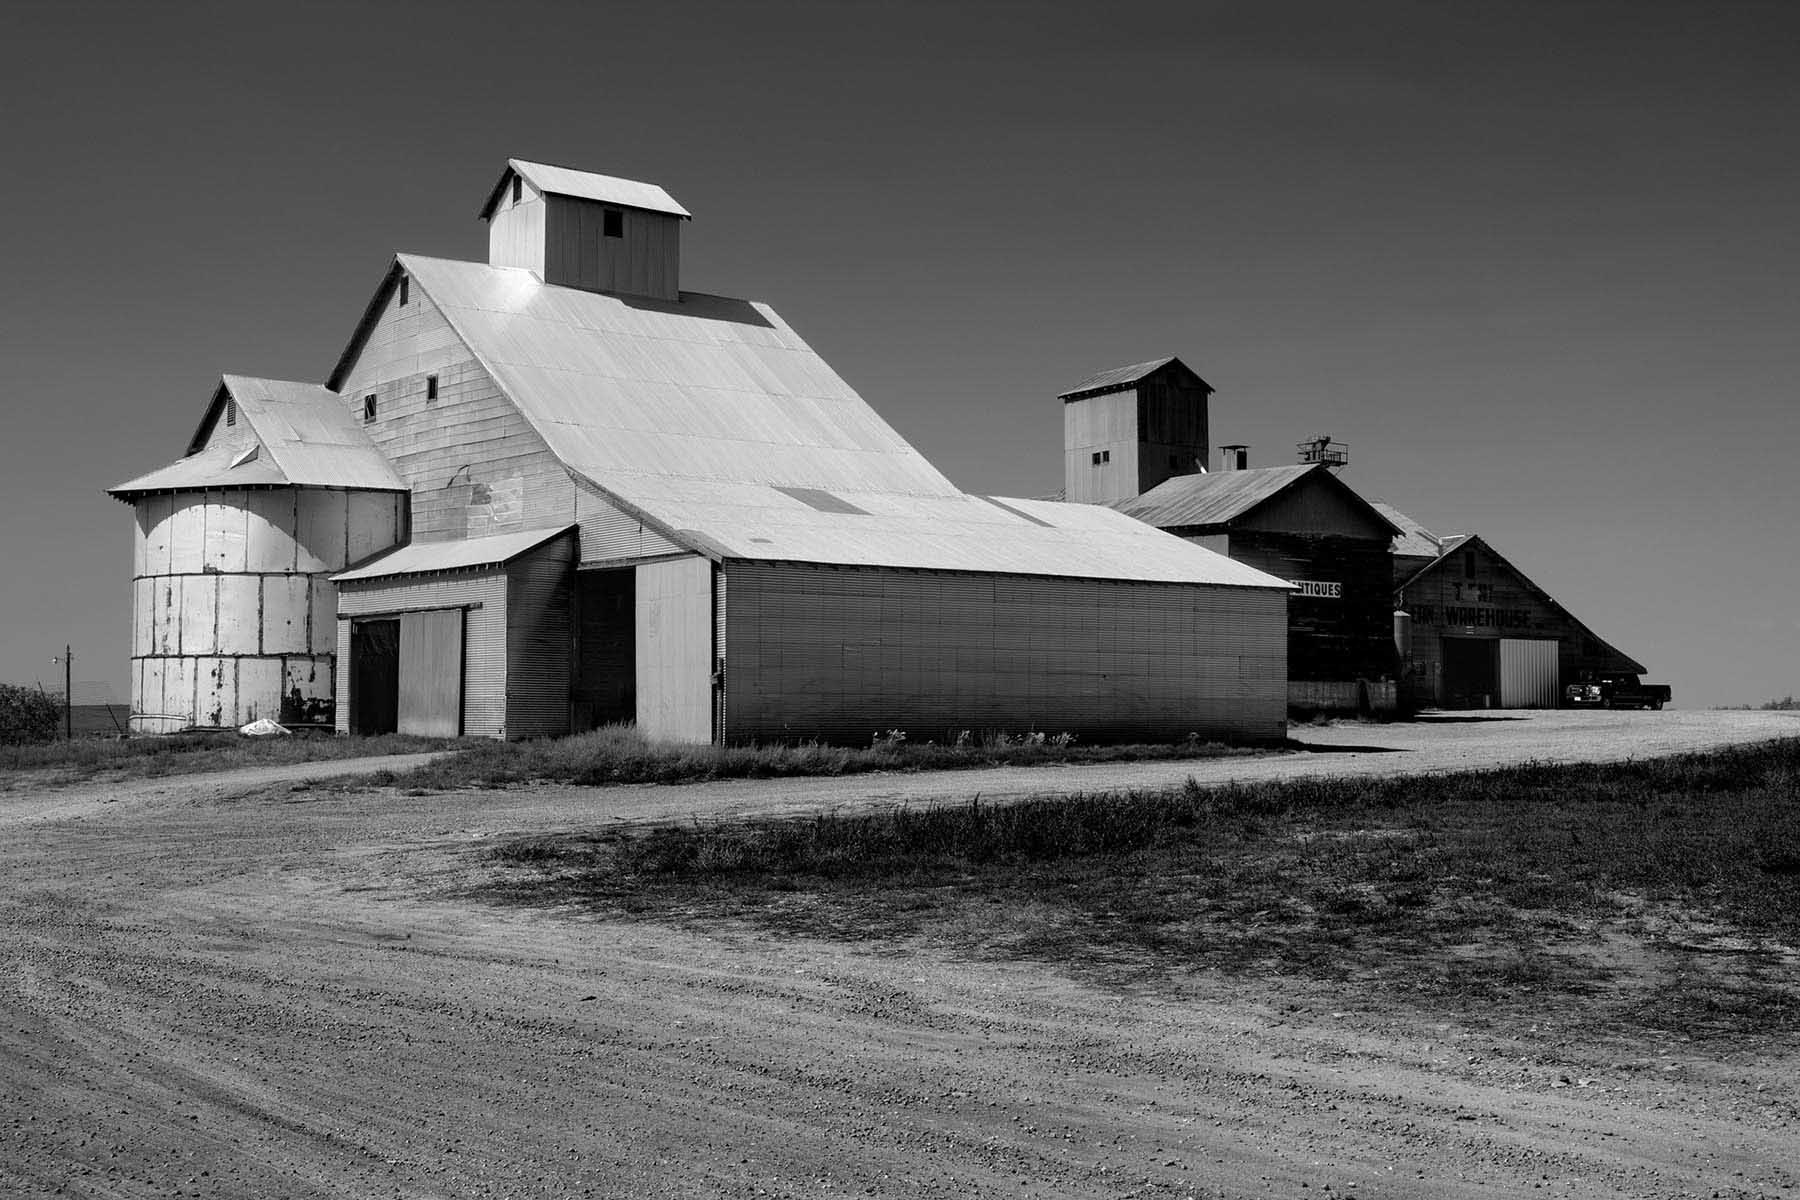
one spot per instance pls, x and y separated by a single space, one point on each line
68 661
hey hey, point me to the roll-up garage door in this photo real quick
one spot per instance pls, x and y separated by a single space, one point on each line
1528 674
431 672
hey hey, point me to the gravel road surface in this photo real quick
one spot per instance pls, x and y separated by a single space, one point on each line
221 987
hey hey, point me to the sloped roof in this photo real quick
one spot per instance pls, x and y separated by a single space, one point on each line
419 558
566 181
707 389
1119 378
1626 662
1413 540
946 532
306 437
1194 501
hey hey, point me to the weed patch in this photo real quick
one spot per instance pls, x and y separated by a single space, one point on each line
119 759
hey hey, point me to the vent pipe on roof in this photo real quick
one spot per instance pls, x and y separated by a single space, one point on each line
1234 458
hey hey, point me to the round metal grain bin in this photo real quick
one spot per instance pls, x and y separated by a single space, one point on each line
234 616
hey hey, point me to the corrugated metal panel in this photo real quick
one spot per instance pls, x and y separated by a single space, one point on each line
842 653
565 181
540 642
1529 676
431 672
608 534
484 697
340 690
310 433
213 467
419 558
674 649
710 388
948 533
1210 499
1117 377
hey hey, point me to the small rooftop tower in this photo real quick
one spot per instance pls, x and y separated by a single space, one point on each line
1128 429
1322 449
581 230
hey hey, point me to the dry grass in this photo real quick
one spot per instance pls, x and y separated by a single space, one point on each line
619 754
1661 893
114 759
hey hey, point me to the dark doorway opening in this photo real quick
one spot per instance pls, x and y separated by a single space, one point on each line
374 676
1471 672
606 665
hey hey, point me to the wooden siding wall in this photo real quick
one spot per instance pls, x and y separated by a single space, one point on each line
646 261
609 535
540 640
674 649
1348 638
1495 602
841 653
473 462
1106 423
484 695
516 231
233 611
1171 414
1316 508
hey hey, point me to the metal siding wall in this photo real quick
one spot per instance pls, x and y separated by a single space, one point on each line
674 649
484 695
1100 423
341 689
841 653
644 262
516 231
1529 675
540 641
608 534
431 672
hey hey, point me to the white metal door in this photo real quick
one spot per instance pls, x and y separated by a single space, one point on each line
1528 673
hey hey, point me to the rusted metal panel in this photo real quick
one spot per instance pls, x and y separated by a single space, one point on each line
841 653
674 649
288 613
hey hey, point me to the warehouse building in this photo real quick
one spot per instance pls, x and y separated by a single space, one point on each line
610 498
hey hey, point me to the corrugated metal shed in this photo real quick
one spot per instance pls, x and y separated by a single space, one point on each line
307 439
1213 499
953 532
419 558
707 389
566 181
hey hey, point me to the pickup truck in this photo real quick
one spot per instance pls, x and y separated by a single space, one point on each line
1616 691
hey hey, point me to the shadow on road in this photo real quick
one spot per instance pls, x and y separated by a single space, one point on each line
1323 748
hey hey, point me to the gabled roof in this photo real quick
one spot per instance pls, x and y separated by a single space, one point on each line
1413 540
305 437
585 185
1221 497
464 554
1469 541
1120 378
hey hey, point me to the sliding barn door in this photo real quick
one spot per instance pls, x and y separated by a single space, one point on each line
431 672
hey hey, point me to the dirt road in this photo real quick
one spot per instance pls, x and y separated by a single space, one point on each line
210 991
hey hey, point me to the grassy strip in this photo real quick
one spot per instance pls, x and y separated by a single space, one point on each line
116 759
619 754
1664 893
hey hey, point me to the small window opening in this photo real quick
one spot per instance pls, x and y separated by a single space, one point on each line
1174 462
231 412
613 225
518 188
1102 456
405 289
1469 565
430 388
368 409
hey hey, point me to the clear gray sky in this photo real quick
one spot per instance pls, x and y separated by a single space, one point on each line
1536 264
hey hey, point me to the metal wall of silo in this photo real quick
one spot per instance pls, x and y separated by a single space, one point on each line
234 613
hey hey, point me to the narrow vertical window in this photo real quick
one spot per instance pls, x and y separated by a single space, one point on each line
405 289
518 188
430 388
1469 565
368 409
231 412
613 225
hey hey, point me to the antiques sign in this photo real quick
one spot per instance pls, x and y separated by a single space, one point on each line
1317 590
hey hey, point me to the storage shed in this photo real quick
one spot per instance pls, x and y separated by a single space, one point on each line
630 501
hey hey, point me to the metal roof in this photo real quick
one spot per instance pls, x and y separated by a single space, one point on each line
706 389
1120 378
419 558
950 532
566 181
305 438
1414 540
1211 499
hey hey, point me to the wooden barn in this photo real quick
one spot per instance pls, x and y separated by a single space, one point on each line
1473 631
611 499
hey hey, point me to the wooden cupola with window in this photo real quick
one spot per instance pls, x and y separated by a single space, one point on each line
581 230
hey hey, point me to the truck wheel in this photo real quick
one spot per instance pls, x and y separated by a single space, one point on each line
1656 704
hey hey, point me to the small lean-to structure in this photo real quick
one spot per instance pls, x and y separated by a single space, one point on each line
628 501
234 615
